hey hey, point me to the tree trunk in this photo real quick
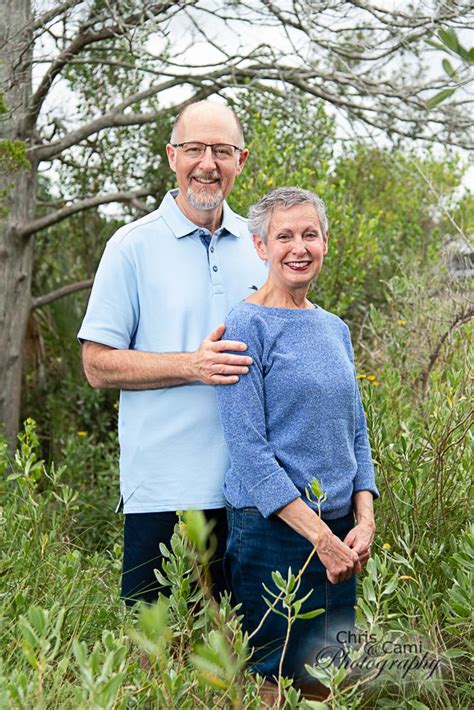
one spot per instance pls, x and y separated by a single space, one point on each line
18 195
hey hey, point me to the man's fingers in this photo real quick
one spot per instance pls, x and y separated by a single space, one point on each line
221 345
230 369
229 345
220 359
235 360
217 333
224 379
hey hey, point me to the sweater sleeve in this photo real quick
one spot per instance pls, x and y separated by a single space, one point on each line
242 412
365 476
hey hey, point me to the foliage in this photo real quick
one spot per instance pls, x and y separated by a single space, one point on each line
13 156
450 44
383 204
67 641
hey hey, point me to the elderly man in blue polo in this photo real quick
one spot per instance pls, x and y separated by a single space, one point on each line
154 329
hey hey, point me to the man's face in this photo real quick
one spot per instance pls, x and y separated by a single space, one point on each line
205 182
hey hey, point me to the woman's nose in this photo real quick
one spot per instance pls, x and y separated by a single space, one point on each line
299 245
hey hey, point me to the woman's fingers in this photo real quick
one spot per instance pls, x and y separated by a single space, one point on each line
340 561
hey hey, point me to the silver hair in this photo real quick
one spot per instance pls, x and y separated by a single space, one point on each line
283 198
179 117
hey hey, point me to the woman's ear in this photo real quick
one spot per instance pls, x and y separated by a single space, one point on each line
325 248
260 247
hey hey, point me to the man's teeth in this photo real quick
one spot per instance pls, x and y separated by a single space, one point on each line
205 180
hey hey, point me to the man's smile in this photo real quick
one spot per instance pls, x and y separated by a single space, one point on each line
205 180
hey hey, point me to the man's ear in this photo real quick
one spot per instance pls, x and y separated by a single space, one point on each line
260 247
171 153
242 160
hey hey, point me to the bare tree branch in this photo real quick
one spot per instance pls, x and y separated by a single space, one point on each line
42 20
26 230
80 41
58 293
463 317
116 117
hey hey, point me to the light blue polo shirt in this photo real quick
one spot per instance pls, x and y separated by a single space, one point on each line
157 289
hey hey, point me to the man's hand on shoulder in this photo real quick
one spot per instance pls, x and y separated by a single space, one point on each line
214 366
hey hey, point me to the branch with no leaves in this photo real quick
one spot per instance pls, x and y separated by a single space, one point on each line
116 117
58 293
50 15
461 318
131 197
82 39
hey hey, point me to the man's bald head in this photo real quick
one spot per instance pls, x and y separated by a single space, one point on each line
202 111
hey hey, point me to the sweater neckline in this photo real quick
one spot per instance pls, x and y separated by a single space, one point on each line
282 311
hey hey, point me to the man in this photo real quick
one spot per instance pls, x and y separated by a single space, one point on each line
153 328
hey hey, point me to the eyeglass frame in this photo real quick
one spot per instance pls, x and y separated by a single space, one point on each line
207 145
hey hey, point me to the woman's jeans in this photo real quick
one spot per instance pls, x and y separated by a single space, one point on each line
256 547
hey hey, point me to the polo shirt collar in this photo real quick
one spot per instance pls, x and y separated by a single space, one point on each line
181 226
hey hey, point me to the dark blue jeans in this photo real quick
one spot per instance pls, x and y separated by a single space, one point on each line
255 548
143 533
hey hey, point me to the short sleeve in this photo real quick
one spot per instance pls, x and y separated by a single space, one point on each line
113 309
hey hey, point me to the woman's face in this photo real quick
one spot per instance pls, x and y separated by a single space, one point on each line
295 246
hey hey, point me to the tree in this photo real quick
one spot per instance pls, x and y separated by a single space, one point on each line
87 82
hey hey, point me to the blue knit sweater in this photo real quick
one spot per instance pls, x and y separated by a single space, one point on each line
297 414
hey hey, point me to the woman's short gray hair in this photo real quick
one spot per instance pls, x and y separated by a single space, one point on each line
283 198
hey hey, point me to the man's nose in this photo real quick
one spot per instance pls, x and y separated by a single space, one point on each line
208 162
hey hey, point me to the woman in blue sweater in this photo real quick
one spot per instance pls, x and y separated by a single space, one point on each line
297 415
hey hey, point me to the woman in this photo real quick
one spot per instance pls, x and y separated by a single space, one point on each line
296 416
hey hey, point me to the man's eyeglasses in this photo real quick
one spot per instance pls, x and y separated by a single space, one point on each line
220 151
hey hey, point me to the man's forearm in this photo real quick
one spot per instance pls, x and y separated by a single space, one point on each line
210 364
135 370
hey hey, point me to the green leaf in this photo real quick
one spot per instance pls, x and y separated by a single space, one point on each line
465 54
454 652
369 591
448 68
439 97
311 614
278 580
449 39
391 586
436 45
274 611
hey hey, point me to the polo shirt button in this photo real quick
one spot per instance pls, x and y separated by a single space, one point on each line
214 268
211 249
